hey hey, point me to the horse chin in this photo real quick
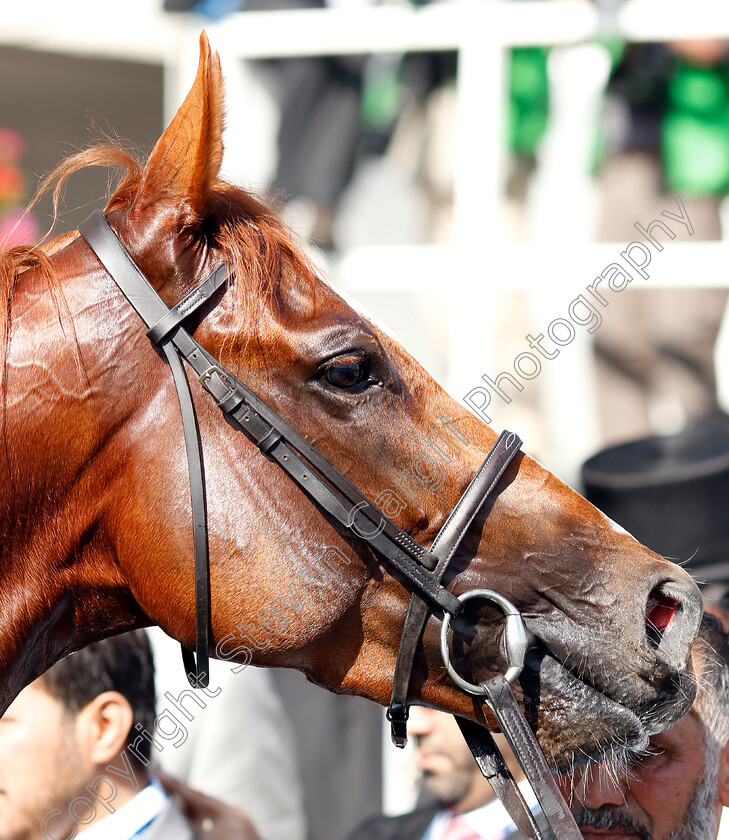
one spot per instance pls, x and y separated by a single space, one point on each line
577 723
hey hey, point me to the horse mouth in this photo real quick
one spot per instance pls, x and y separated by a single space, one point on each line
577 722
588 693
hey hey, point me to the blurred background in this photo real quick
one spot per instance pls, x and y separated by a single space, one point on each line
474 173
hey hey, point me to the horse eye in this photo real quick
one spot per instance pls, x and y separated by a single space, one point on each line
347 374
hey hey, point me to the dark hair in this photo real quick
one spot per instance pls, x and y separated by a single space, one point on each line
120 663
712 649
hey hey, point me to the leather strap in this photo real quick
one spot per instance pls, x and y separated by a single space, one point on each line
189 304
155 310
444 547
198 672
528 753
493 767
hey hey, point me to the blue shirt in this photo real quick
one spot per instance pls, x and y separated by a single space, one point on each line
133 820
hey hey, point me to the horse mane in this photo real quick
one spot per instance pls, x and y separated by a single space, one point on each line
252 239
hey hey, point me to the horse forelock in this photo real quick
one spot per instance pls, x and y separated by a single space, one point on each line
261 250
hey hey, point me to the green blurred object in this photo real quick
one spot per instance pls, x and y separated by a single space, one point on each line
695 131
382 95
529 99
528 102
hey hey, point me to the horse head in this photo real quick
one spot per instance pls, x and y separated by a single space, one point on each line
95 515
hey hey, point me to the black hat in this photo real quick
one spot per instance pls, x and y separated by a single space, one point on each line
672 494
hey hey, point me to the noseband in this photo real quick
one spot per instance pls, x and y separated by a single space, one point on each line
333 492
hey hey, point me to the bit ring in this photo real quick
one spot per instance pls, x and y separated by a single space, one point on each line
517 640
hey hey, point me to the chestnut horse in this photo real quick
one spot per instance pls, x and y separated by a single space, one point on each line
95 514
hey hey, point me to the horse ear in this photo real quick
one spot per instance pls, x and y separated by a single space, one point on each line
186 159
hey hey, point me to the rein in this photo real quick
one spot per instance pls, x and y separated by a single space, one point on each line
333 492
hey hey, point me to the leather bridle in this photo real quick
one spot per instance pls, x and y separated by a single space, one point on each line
333 492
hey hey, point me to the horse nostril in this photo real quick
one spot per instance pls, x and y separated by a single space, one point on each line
659 612
673 611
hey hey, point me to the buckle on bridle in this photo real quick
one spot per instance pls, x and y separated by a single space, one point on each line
215 382
517 640
398 714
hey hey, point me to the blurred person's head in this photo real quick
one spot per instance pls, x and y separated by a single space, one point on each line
720 608
63 740
677 790
450 775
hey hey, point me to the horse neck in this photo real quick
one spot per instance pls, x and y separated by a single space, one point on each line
46 391
51 490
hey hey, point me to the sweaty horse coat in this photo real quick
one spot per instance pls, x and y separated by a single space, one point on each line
95 529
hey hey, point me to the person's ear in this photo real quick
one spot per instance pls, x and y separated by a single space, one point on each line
723 780
103 726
